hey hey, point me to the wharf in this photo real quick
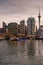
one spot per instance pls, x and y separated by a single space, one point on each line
25 38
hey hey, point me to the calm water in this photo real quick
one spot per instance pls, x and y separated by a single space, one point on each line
21 52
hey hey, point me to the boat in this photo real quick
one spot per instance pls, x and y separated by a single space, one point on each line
2 38
14 39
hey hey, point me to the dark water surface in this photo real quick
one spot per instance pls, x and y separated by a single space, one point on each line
21 52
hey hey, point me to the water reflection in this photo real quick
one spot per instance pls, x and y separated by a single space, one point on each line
21 52
12 49
12 43
22 43
31 48
22 47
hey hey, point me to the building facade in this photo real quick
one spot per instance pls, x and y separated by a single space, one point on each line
18 29
4 26
30 26
22 28
13 28
40 32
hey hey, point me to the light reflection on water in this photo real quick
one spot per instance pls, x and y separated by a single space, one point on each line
29 52
31 48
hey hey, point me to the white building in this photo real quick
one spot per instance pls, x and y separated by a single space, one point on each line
30 26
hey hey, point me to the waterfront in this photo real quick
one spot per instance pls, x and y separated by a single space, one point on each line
21 52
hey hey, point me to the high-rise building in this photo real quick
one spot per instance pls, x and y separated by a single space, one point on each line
30 26
4 26
13 28
22 27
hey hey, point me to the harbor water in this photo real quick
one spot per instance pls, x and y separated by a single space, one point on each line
24 52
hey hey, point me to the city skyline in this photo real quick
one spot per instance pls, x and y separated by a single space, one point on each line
17 10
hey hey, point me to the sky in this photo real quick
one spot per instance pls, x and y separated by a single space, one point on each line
16 10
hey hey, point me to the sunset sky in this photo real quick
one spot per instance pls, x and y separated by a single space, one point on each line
16 10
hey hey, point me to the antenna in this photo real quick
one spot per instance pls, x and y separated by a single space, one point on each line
39 16
39 11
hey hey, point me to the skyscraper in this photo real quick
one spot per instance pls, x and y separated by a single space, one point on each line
30 26
22 27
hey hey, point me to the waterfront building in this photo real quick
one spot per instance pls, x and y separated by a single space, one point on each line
1 31
4 26
30 26
13 28
25 30
22 28
18 29
40 32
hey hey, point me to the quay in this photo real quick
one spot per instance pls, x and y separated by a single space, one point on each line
25 38
16 38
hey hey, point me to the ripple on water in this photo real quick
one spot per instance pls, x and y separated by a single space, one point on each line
21 54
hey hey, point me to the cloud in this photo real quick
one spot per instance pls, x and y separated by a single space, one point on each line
19 6
10 9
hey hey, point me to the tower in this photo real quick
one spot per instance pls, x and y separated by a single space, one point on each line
30 26
22 28
39 16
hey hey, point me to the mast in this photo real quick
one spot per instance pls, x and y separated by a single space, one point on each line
39 16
